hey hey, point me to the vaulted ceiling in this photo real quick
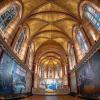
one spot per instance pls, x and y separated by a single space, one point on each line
51 20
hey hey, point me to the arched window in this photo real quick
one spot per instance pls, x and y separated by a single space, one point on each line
10 16
7 16
20 40
71 55
81 41
81 44
92 15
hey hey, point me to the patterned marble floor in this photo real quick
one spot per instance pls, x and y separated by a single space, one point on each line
62 97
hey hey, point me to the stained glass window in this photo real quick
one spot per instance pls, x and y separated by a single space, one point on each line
7 17
82 42
21 38
93 16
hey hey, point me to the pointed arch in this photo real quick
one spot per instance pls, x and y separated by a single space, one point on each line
10 16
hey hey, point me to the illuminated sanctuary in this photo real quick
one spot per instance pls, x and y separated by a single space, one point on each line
49 49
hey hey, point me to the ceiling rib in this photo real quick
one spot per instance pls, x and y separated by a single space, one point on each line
51 31
67 11
33 11
50 52
49 57
52 12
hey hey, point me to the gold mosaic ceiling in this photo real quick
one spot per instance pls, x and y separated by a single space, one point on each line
51 20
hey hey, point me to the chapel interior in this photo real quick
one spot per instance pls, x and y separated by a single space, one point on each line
49 49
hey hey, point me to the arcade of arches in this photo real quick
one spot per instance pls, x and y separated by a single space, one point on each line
50 47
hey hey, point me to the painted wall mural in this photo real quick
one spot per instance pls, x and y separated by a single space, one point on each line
6 79
14 79
19 81
73 83
28 82
89 77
